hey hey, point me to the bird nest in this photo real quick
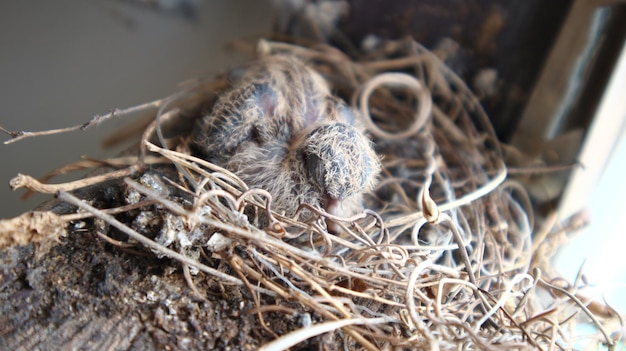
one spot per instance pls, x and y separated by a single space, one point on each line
442 258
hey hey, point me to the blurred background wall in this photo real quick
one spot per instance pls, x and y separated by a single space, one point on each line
62 62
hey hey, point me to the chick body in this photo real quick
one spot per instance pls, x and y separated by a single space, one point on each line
280 129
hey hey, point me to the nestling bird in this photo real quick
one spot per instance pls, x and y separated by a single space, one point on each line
280 129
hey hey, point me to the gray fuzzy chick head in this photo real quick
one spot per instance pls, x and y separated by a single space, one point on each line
339 160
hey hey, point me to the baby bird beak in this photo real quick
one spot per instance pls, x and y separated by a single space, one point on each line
333 207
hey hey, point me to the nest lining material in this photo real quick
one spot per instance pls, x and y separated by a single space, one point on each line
442 258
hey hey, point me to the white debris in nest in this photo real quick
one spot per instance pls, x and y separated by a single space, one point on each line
174 233
132 196
239 218
172 226
151 181
203 213
183 240
198 234
194 254
154 182
218 242
144 220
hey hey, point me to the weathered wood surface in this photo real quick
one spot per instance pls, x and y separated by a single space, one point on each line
86 294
